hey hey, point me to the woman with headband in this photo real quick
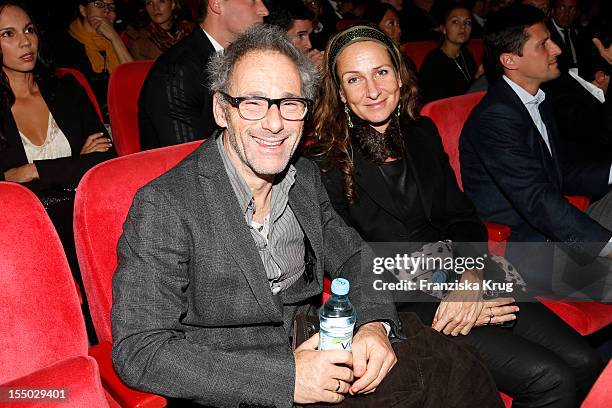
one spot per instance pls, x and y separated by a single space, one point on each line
387 175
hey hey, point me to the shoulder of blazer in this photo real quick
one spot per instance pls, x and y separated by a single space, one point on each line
195 49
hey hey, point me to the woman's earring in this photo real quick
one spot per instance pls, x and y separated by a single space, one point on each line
399 109
348 116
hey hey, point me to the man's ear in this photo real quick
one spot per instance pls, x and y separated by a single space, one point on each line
508 61
215 6
219 110
82 11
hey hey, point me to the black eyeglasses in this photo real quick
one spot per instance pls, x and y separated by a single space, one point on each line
256 107
101 4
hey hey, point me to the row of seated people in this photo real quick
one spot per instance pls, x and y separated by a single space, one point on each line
97 197
337 108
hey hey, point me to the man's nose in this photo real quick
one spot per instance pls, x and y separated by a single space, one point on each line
273 121
262 10
554 49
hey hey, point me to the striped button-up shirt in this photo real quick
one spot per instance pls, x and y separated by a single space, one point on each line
280 239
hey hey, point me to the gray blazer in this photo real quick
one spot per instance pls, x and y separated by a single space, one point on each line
193 315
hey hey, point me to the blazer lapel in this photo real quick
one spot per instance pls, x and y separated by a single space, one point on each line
551 129
234 235
306 211
537 141
419 163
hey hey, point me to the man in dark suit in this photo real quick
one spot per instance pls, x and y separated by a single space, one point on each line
221 253
583 111
510 163
575 44
175 104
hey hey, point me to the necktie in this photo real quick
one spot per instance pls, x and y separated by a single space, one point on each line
567 47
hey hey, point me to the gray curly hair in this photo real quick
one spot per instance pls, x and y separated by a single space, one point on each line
261 37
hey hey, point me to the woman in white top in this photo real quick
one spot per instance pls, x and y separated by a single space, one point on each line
50 134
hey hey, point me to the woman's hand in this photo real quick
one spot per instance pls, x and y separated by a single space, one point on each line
459 311
96 142
497 311
22 174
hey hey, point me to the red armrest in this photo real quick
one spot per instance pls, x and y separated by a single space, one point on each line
497 232
584 317
579 202
125 396
77 375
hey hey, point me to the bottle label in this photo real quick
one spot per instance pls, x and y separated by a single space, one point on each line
336 334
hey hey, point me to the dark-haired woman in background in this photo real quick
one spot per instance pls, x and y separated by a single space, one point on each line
50 133
161 27
450 69
387 175
387 18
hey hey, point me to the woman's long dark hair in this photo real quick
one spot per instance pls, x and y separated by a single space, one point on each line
44 70
332 142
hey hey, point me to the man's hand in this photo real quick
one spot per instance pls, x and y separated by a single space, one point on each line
316 57
606 53
373 357
104 27
320 375
459 310
22 174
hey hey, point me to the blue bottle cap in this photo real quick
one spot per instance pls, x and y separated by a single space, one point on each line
340 286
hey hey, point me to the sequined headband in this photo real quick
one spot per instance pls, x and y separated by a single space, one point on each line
356 34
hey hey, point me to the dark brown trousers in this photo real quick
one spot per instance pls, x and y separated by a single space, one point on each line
431 371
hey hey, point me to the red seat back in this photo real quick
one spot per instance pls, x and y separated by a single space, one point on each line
449 115
476 47
418 50
60 72
102 202
124 88
41 320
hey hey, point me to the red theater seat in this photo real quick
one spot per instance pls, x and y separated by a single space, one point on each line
124 88
449 115
43 342
60 72
102 202
600 395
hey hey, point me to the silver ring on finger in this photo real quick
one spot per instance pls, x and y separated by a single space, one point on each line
338 387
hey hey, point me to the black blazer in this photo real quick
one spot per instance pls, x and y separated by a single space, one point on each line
509 174
375 216
76 117
175 103
585 124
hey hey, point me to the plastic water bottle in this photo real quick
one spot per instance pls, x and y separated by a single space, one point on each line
337 318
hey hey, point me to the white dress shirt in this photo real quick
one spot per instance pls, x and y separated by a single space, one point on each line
214 42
